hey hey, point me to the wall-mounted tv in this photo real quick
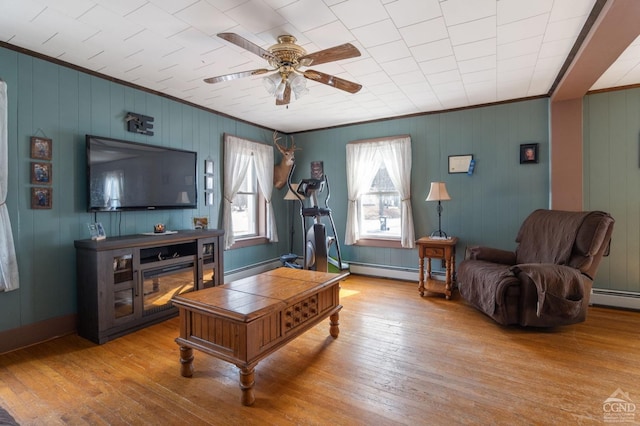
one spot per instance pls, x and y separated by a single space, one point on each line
124 175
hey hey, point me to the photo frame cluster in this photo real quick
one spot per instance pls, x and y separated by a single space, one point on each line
41 173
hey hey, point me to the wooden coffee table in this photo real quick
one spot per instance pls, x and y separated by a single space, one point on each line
244 321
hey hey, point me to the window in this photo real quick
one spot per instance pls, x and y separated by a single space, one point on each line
248 182
380 208
378 186
247 208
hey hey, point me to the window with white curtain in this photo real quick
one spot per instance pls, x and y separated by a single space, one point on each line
379 191
9 277
246 207
379 208
248 183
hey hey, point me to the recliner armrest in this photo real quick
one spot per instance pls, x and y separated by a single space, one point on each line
489 254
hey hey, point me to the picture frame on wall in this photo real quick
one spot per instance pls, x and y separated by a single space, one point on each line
41 197
200 222
208 182
528 153
41 148
459 163
41 173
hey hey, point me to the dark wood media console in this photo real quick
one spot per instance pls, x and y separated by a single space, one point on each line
126 283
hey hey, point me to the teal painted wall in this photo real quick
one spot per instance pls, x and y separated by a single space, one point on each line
486 208
56 102
64 104
612 180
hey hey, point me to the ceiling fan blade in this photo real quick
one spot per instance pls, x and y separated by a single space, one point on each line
344 51
235 75
286 97
333 81
247 45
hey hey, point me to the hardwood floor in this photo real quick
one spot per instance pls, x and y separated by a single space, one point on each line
399 359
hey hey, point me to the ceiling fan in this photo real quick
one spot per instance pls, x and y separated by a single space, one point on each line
286 58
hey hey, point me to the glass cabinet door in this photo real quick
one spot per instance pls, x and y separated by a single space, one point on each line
123 285
207 252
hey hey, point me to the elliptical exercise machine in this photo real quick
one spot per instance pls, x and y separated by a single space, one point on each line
316 244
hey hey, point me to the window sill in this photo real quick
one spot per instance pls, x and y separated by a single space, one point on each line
248 242
371 242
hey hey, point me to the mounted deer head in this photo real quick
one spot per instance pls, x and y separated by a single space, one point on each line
281 170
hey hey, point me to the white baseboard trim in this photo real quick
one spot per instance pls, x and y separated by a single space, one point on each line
384 271
600 297
615 299
251 270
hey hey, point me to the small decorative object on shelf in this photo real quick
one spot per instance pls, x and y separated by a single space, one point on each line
97 231
158 228
200 222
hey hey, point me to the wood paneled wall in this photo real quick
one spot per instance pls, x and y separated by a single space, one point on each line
612 180
64 104
487 207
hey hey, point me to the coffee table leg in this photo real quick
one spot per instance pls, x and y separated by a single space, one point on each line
334 323
186 361
246 385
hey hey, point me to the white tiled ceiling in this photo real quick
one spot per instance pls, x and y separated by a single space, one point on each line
417 55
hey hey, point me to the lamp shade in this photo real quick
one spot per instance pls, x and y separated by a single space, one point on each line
183 197
290 195
438 192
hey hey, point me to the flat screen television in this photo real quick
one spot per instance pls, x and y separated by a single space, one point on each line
124 175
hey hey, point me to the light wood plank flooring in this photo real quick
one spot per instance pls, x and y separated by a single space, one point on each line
399 359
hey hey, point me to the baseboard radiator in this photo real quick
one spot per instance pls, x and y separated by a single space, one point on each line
599 297
615 298
254 269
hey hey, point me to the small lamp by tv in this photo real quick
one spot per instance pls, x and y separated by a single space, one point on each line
438 192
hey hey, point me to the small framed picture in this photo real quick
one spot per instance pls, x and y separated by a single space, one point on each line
200 222
41 173
460 163
41 198
41 148
528 153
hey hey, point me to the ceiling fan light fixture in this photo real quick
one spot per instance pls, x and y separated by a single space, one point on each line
271 82
299 86
280 90
286 57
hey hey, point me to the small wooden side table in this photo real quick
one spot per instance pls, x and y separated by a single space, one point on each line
433 248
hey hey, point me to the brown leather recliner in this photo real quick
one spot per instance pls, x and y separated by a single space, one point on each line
547 281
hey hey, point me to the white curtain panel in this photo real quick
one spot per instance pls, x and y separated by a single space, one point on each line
397 158
263 160
239 155
9 279
363 161
362 165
